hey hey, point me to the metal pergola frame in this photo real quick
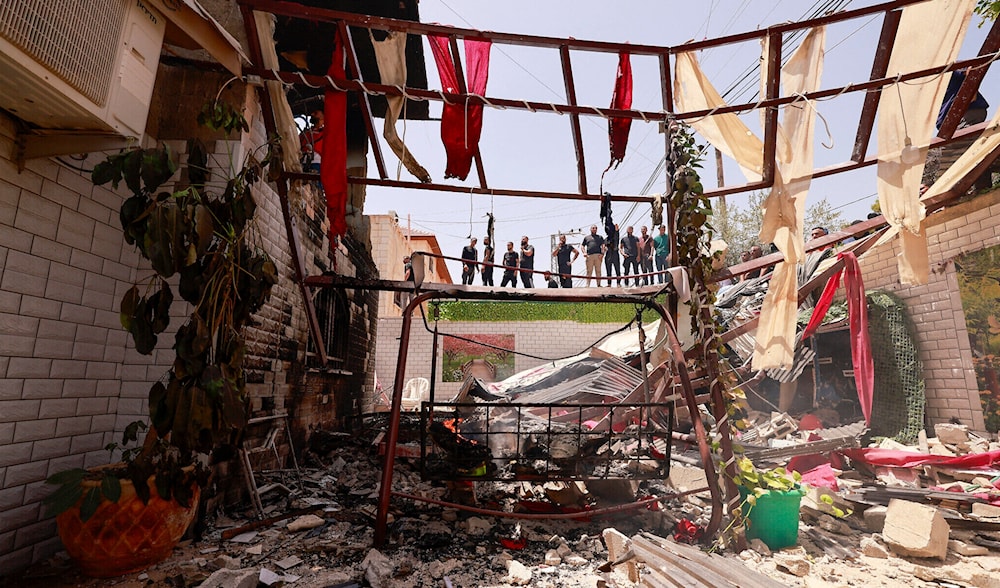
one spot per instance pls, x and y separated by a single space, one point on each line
771 100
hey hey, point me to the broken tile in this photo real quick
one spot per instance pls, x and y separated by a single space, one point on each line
288 562
244 537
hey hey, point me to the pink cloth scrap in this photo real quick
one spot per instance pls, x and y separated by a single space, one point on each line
461 123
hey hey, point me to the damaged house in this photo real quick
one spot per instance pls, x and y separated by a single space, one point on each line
648 423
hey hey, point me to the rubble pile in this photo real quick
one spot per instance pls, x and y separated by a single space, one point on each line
931 524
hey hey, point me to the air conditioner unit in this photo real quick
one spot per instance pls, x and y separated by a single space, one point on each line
82 64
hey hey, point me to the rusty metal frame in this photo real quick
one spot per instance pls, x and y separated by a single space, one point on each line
772 99
438 291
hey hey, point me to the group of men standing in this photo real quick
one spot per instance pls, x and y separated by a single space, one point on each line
637 254
513 263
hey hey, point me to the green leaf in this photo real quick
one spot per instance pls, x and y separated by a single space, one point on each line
73 476
111 488
62 499
91 500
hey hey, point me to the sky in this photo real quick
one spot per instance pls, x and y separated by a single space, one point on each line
534 151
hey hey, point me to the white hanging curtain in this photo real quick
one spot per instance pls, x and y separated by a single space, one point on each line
784 208
930 34
391 57
725 132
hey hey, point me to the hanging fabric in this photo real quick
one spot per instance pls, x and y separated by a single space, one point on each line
391 57
857 312
621 99
726 132
333 166
609 223
461 123
784 208
657 214
906 117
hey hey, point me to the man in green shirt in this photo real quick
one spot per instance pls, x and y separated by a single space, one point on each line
661 249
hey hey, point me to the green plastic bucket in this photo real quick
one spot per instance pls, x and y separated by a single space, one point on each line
775 518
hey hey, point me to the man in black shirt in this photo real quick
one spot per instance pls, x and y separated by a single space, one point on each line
469 256
510 259
488 258
630 254
527 262
611 259
562 254
593 251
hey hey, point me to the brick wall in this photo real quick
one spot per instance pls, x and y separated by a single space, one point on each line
936 307
548 339
68 378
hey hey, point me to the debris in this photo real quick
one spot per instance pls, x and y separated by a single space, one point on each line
309 521
872 548
796 565
915 530
760 547
378 569
951 434
226 578
875 518
288 562
517 573
963 548
244 537
552 558
478 526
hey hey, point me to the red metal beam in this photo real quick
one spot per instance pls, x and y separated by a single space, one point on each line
574 119
886 41
419 28
772 90
967 92
826 171
366 107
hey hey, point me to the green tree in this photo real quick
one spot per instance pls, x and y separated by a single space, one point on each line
740 227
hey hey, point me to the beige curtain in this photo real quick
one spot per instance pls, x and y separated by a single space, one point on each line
726 132
284 119
784 208
391 57
906 115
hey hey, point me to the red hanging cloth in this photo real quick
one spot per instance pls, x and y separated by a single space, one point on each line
857 314
618 127
333 165
461 124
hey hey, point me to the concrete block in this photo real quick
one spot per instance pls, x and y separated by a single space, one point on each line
951 433
915 530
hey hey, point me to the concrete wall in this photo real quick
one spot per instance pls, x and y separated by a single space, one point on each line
936 307
548 339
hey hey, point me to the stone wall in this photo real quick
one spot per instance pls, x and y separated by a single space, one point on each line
936 307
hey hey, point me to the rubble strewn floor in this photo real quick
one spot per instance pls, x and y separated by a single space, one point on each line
327 540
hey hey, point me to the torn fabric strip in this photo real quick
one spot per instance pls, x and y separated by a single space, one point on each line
333 166
906 117
621 99
461 124
784 208
726 132
391 57
857 312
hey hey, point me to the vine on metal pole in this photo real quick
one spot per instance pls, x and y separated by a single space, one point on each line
693 237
